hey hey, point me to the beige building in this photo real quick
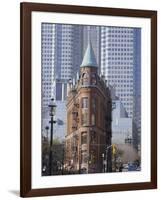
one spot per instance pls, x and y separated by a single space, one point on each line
88 120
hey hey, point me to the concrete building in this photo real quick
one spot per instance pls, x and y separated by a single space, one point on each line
88 120
122 125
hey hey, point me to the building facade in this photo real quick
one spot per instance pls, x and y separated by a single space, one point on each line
88 120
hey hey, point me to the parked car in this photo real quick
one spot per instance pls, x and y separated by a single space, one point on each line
132 167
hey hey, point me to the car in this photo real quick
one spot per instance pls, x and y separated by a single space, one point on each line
132 167
125 166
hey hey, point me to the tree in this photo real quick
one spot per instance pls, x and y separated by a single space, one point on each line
57 156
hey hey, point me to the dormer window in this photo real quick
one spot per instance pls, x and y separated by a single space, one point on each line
85 79
93 79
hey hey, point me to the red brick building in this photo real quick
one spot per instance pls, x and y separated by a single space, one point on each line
88 120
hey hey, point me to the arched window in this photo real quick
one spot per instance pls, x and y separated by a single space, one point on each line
93 79
85 79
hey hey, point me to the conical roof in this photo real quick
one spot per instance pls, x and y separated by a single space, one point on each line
89 59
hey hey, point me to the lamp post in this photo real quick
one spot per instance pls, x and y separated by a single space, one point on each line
106 158
52 107
103 163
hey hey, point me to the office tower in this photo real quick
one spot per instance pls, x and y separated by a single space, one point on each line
92 34
61 55
88 120
137 83
61 58
121 65
48 61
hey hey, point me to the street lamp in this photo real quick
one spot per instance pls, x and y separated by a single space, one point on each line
52 107
103 163
106 158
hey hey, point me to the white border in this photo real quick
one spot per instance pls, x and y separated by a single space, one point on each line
90 179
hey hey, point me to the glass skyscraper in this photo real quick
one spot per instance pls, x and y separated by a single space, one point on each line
121 66
92 34
61 58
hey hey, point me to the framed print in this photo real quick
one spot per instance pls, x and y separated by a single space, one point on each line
88 99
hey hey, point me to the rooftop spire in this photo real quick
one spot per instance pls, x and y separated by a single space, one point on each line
89 59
